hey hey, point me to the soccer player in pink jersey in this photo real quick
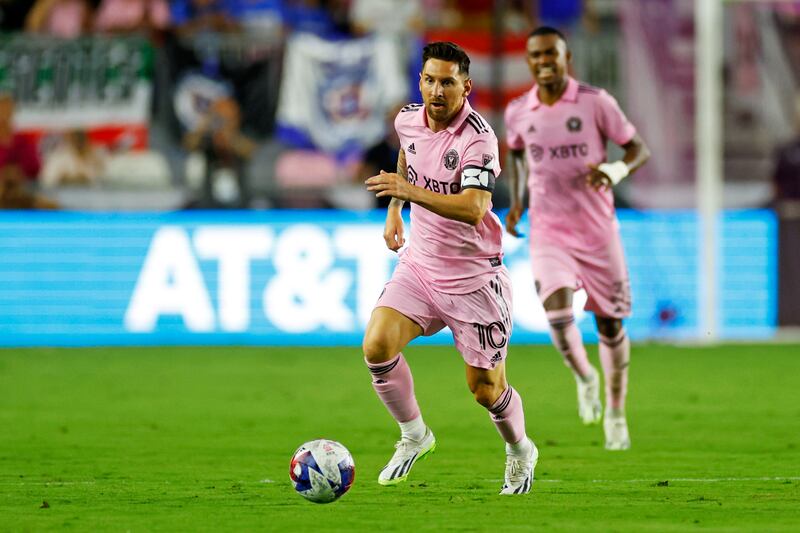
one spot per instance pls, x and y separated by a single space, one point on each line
562 126
451 273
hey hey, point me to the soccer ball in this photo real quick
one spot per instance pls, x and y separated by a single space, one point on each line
322 470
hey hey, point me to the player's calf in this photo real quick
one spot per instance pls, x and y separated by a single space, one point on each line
615 354
567 339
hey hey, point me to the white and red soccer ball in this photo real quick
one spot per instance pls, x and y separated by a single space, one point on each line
322 470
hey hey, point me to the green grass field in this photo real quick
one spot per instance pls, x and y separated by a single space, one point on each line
199 439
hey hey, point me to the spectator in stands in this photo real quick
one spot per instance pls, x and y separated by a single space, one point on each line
19 163
327 18
261 17
566 15
131 16
225 148
466 14
401 21
196 16
65 19
382 156
787 205
18 155
13 14
75 161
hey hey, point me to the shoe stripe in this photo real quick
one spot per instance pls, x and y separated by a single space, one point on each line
404 468
408 464
394 474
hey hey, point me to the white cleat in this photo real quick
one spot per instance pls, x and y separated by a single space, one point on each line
616 429
590 410
519 472
407 453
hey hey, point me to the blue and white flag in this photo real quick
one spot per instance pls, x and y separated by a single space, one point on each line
335 94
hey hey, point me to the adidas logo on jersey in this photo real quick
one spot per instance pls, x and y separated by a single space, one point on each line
411 149
411 107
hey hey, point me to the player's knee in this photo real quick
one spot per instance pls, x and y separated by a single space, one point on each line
560 319
609 327
486 394
376 348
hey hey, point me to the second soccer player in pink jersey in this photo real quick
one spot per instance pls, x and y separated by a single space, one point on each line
559 129
451 274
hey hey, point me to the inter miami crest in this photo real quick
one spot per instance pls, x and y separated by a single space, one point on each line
574 124
537 152
451 159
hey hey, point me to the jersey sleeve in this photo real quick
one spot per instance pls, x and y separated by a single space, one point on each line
481 164
612 121
400 129
403 120
513 138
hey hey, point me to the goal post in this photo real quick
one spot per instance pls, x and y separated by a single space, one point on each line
708 168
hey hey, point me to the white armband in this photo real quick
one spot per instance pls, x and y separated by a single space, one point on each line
615 171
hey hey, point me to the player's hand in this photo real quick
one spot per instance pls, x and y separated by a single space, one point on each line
596 179
389 184
512 219
393 231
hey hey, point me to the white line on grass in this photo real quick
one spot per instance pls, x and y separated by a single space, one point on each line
654 481
609 481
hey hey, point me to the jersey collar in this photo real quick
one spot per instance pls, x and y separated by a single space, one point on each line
570 95
455 124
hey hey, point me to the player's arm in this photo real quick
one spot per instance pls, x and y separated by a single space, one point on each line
516 183
393 229
609 174
469 206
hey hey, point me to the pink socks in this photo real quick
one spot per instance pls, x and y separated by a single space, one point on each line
395 387
615 355
567 339
508 416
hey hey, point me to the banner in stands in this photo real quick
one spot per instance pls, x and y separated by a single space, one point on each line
335 94
102 85
312 278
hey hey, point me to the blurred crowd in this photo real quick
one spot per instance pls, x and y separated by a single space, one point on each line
246 103
169 104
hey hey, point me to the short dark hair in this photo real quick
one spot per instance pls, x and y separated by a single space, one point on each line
447 51
547 30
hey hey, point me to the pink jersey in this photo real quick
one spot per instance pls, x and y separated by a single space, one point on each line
560 141
454 256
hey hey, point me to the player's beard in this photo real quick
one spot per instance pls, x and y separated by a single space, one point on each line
439 114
